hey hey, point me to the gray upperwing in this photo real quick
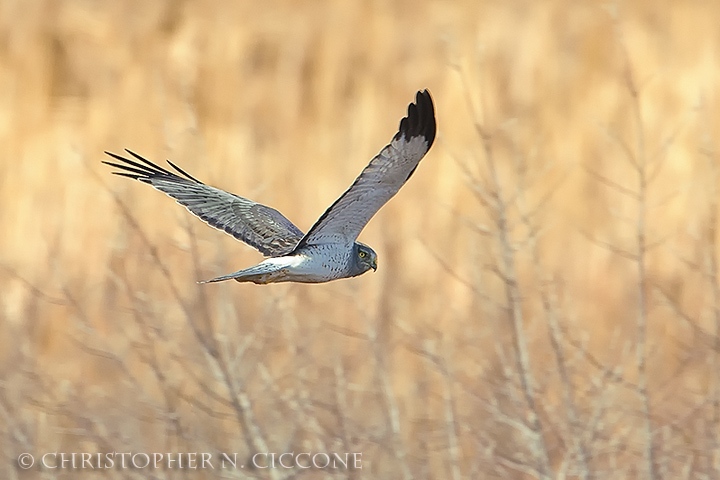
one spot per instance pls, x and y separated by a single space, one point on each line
380 180
258 225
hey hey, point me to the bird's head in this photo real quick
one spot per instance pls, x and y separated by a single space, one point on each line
364 258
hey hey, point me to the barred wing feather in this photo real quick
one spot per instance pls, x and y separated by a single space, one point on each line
260 226
380 180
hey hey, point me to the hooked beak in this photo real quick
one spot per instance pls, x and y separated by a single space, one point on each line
374 265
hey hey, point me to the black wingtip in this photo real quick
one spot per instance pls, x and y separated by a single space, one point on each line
420 119
144 170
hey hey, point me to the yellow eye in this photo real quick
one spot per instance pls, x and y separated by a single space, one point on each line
362 254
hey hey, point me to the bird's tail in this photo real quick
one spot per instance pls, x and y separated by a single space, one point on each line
261 274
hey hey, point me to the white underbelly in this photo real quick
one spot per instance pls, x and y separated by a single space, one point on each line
310 269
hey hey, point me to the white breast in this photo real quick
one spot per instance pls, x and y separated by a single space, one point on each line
317 263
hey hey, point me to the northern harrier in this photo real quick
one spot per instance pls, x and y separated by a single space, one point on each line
329 251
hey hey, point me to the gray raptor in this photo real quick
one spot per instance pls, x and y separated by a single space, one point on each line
329 251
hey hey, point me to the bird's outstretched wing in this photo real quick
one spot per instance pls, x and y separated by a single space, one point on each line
380 180
257 225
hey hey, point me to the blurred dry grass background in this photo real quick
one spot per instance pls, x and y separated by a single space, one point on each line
547 303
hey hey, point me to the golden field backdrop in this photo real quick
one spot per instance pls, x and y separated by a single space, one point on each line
547 303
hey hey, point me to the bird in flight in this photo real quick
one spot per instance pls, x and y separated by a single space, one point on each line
330 250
